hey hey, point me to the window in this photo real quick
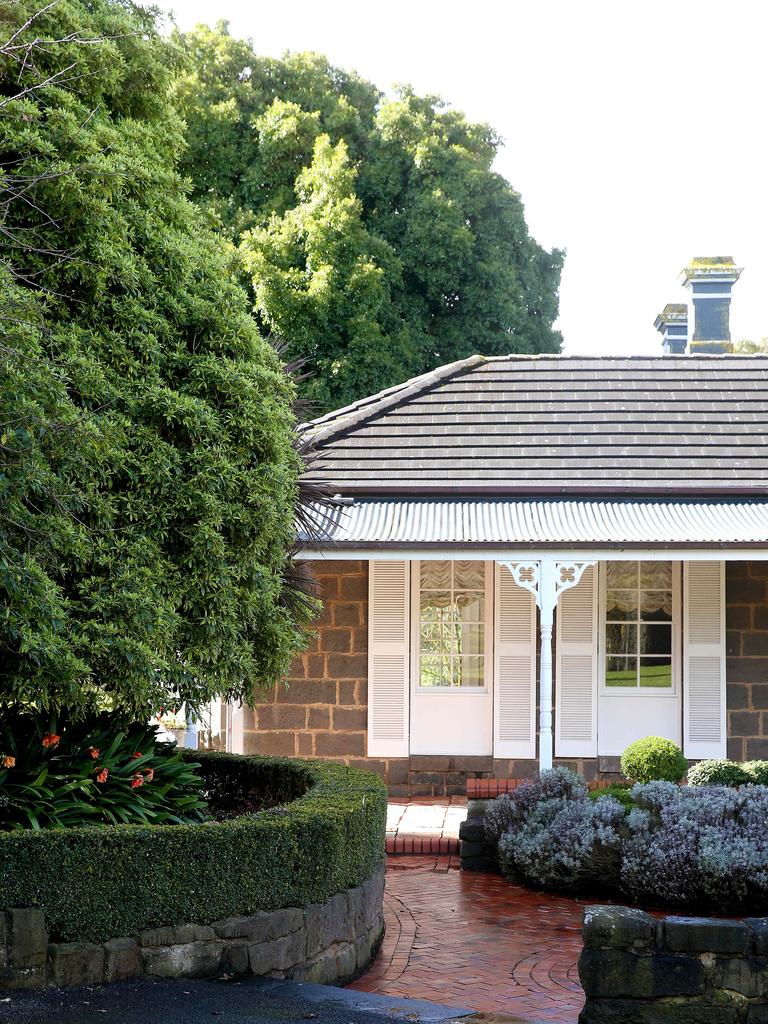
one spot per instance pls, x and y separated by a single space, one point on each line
639 626
452 624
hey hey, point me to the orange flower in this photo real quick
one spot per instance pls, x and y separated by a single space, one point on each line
94 752
101 775
7 761
50 740
149 774
136 781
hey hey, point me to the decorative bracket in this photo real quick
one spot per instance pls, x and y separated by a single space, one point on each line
539 576
526 575
568 574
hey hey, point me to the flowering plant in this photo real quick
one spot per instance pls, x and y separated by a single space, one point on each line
57 772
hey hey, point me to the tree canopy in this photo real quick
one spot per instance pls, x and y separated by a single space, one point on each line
147 464
377 238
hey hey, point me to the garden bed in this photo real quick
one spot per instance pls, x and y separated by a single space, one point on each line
322 833
701 848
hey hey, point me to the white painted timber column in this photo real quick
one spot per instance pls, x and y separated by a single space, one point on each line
546 578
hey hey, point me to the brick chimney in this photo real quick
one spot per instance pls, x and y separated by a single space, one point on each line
711 279
672 324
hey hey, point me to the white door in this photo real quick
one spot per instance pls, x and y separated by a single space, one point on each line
639 677
451 657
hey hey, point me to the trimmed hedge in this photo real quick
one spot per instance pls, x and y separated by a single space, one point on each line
101 882
653 759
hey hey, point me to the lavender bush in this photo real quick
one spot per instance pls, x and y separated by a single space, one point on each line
566 844
703 848
511 809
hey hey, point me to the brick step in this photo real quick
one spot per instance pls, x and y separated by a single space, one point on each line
416 844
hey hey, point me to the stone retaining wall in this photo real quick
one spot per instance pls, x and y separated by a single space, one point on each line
638 969
328 943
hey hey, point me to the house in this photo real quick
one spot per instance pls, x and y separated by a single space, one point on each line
541 558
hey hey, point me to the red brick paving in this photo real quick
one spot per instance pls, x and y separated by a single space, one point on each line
474 940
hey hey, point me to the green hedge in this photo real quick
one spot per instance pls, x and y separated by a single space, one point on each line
101 882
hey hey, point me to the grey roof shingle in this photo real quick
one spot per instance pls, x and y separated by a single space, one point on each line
682 425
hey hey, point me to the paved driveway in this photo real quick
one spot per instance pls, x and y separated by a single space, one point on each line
474 940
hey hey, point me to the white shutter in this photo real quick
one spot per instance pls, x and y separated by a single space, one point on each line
704 660
577 669
514 699
388 658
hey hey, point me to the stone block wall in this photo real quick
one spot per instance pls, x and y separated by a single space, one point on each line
637 969
747 659
329 943
322 708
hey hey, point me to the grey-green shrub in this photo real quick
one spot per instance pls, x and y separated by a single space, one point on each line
566 844
718 772
653 759
510 809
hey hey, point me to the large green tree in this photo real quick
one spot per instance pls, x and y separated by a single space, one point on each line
147 464
377 238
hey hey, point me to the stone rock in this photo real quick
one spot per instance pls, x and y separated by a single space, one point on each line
705 935
629 1011
617 927
27 938
322 969
759 928
3 942
121 960
472 830
75 963
156 937
373 896
281 954
362 952
313 928
255 927
748 977
192 960
346 962
236 959
616 974
183 933
286 921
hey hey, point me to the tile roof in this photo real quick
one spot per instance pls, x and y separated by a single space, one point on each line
421 523
667 425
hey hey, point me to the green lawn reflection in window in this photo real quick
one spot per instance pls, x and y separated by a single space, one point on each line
638 625
452 624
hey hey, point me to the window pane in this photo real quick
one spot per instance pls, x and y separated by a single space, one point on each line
621 671
656 605
470 607
656 639
469 575
435 638
621 638
436 606
436 575
469 672
470 639
656 672
435 671
621 605
656 575
621 575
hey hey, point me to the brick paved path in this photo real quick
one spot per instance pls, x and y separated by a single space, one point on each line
474 940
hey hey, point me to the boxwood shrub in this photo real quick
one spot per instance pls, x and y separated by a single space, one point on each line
653 759
96 883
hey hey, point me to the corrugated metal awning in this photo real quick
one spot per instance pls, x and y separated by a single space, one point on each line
371 524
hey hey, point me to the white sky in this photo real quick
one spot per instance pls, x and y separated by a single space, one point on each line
636 134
